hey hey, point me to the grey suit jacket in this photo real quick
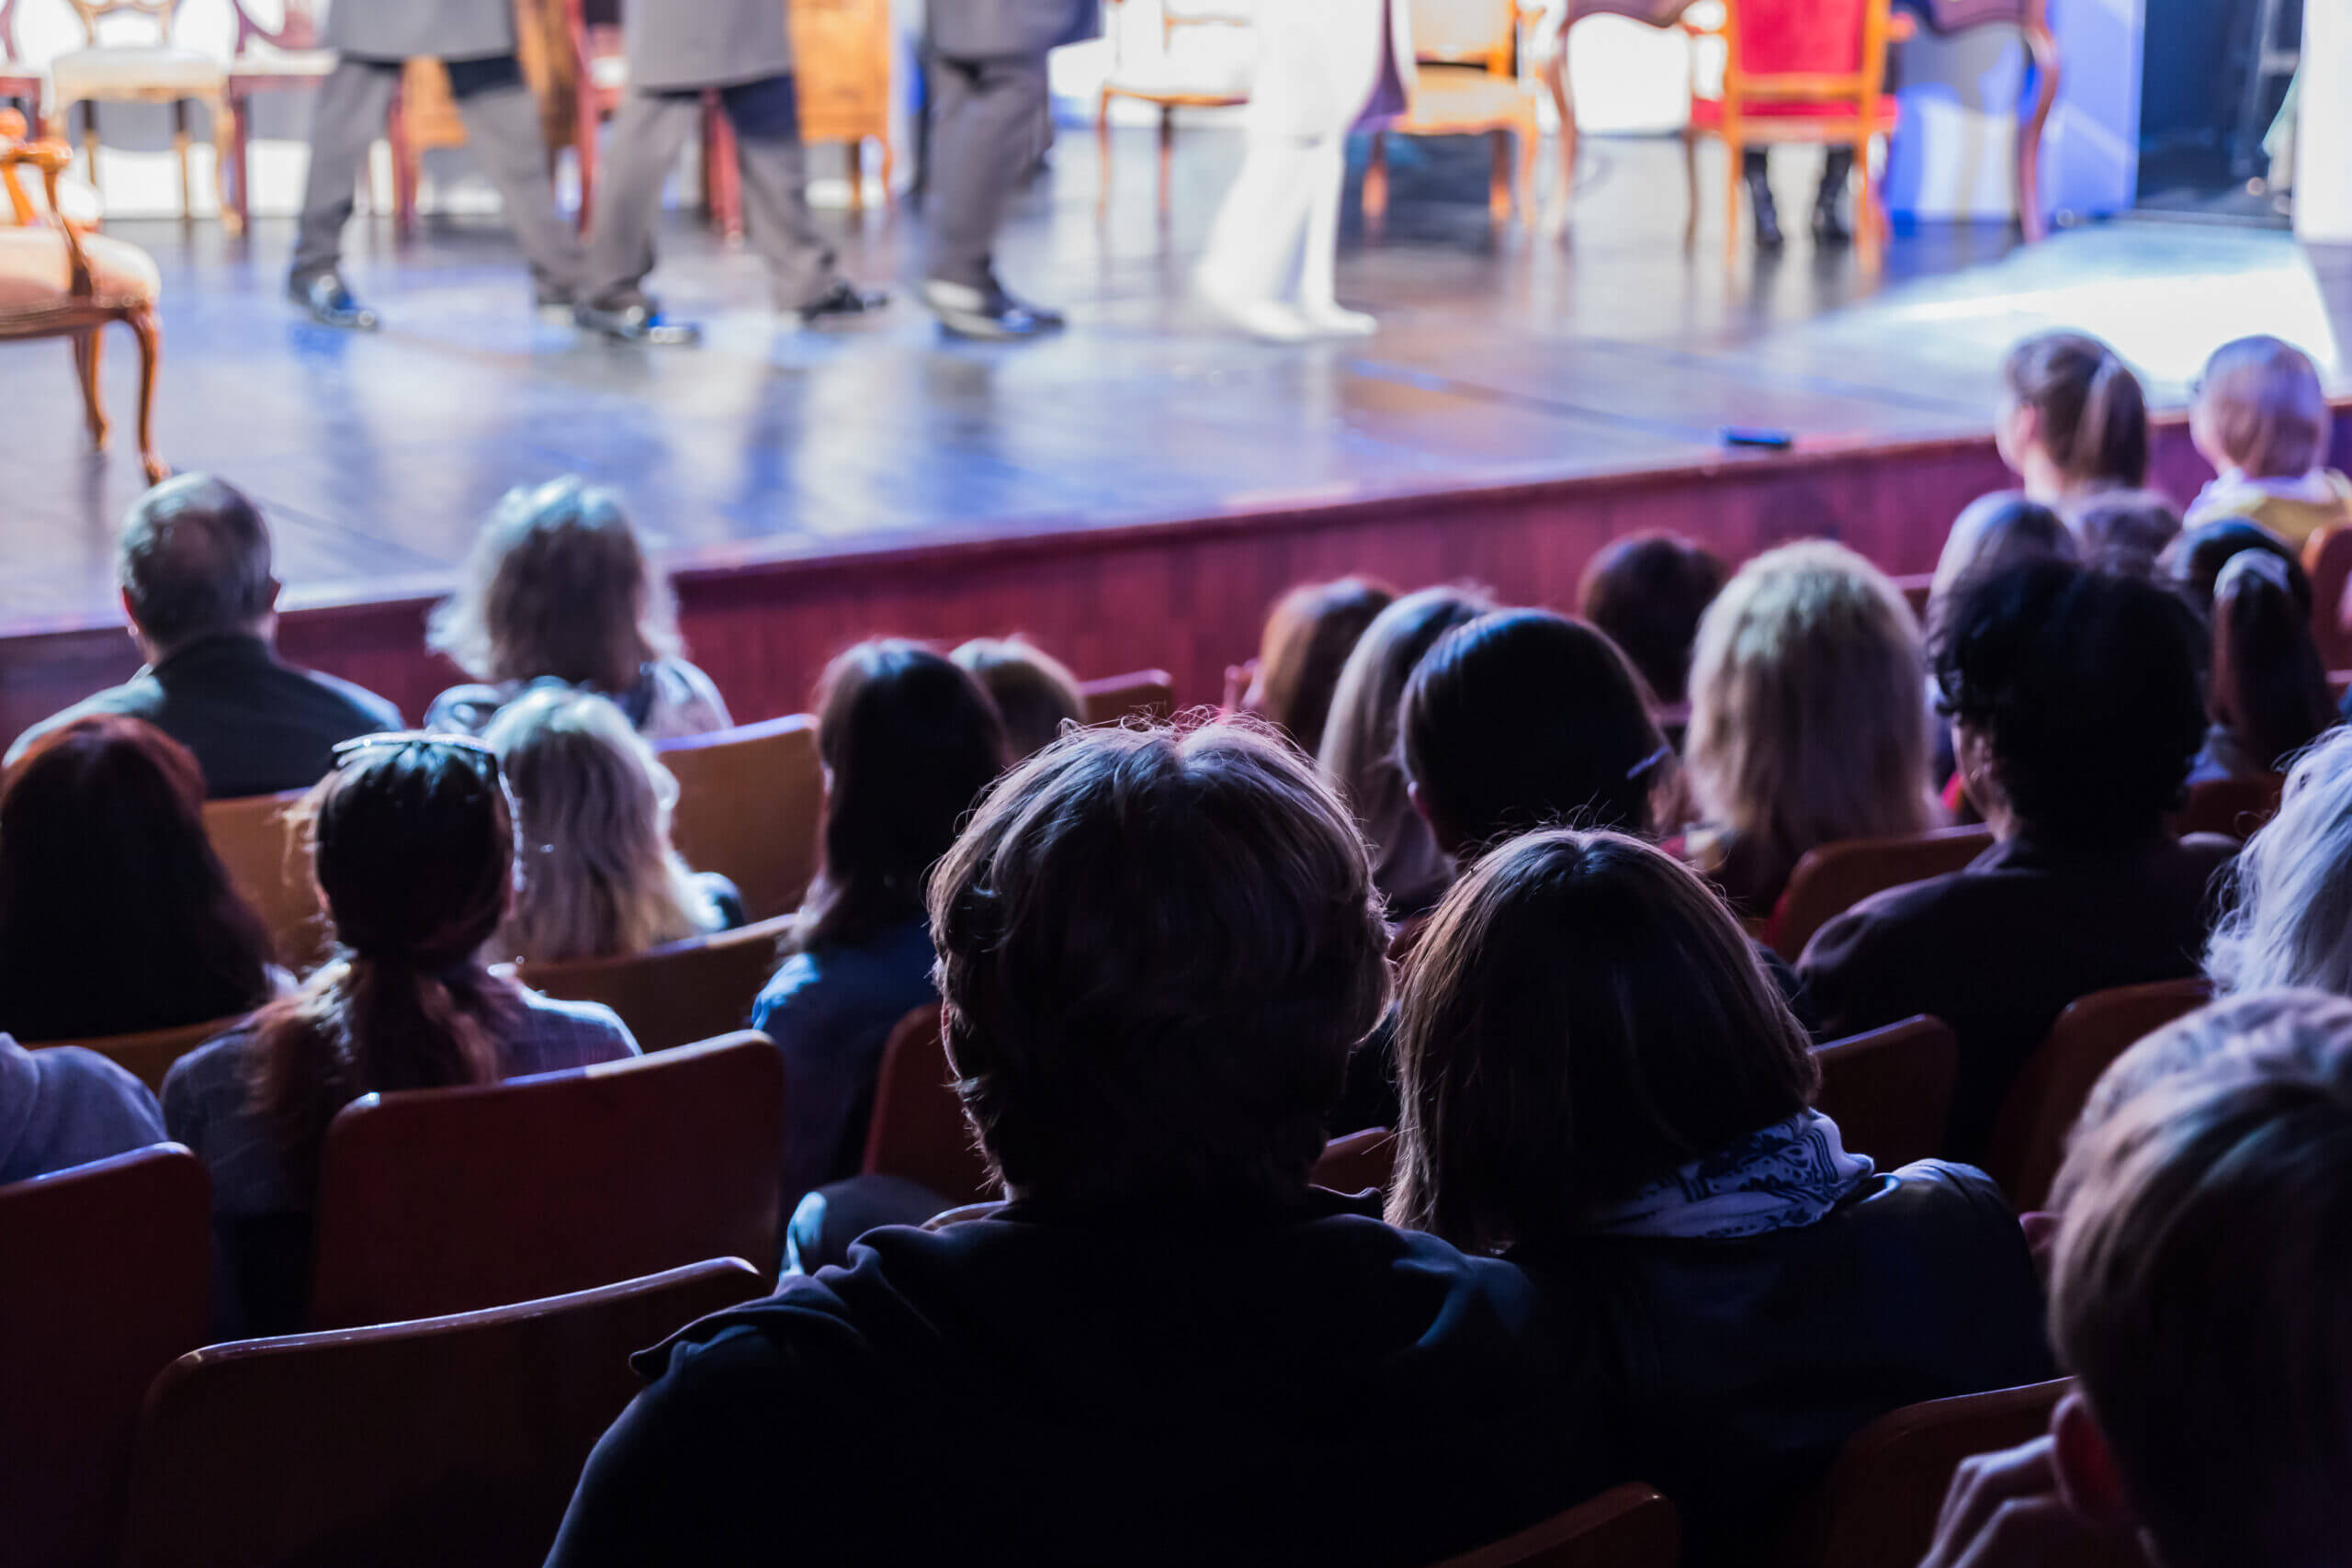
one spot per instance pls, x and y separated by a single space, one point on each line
683 45
403 29
994 29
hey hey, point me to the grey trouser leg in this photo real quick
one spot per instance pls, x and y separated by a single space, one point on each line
986 121
351 105
502 128
648 133
777 218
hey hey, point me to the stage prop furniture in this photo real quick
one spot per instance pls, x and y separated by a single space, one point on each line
1943 18
160 72
1480 71
265 59
20 84
424 113
843 74
57 282
1171 76
599 77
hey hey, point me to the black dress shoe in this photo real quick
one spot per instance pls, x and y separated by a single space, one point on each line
329 303
989 315
843 299
1768 215
638 322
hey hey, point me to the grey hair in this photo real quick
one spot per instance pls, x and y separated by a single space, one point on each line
2288 920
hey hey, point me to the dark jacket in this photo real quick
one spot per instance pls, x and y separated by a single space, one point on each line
684 45
257 726
395 30
1998 949
1314 1387
997 30
1739 1369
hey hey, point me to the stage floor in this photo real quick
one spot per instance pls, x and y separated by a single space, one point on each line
1504 357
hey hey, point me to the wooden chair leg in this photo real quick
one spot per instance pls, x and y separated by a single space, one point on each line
1103 153
1526 142
1167 154
1734 155
726 187
1691 186
85 370
1869 217
583 147
90 138
1375 179
405 170
888 174
225 145
237 164
179 151
144 328
1499 177
856 151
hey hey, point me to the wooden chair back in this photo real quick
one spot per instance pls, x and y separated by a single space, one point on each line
261 843
1890 1090
1833 878
919 1131
1484 33
677 994
1627 1526
1879 1503
1350 1164
2232 807
2030 1134
149 1055
453 1440
1150 693
297 30
2327 561
92 13
453 1200
108 1275
1807 52
749 803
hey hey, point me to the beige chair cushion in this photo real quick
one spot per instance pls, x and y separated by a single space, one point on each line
301 64
104 73
35 283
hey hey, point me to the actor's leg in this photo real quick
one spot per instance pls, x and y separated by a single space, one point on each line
347 119
648 133
983 143
502 127
1755 170
1318 300
1251 269
774 165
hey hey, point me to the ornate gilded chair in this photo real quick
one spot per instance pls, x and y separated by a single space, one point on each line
160 72
1479 71
58 282
1178 72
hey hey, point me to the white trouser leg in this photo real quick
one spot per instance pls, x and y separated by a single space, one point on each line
1318 299
1251 266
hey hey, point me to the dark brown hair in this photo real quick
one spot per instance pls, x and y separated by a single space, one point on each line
1035 693
2094 417
1648 592
1156 948
194 561
2270 685
115 916
1308 637
1582 1016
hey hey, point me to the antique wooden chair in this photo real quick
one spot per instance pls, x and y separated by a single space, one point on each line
452 1199
677 994
600 81
58 282
109 1272
265 58
919 1131
149 1055
1476 74
1890 1090
1833 878
1169 75
1148 693
157 73
453 1440
749 802
846 47
1627 1526
21 84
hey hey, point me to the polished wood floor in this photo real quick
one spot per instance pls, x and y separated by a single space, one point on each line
1505 355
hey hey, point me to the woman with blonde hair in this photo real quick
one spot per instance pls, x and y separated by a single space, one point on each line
1807 719
598 877
558 589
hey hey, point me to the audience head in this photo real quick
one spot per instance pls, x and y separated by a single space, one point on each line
1308 637
2198 1285
2127 530
2075 420
1991 533
597 876
2288 920
106 872
1035 693
1809 714
2260 410
1359 754
908 741
2270 685
2076 698
557 586
1524 719
194 563
1648 592
1582 1016
1156 949
2193 562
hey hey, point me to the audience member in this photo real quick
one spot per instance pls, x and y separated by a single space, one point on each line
1600 1081
1359 756
1991 533
2262 419
1308 637
2073 421
2288 916
2126 530
2199 1284
195 569
415 858
2268 695
115 916
1035 693
908 741
2076 698
558 589
63 1106
2193 562
1648 592
1156 949
598 877
1808 718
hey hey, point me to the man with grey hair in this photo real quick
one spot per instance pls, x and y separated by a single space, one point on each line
194 563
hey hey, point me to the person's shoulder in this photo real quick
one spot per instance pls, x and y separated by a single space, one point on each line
585 1032
1892 918
137 697
377 712
684 702
207 1084
465 710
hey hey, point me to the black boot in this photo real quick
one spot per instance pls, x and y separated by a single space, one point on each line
1828 228
1760 200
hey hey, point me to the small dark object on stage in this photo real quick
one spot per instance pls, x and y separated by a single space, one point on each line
1744 436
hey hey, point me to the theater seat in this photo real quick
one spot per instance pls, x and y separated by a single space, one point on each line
1145 693
147 1056
919 1131
1890 1090
1833 878
677 994
1627 1526
749 802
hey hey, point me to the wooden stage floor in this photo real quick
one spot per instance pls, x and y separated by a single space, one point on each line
1505 358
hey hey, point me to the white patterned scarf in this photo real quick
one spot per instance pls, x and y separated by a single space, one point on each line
1779 1178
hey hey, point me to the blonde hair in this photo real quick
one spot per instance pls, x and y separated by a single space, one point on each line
1808 714
2288 921
597 877
2262 400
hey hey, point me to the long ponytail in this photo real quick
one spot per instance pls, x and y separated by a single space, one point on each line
2094 413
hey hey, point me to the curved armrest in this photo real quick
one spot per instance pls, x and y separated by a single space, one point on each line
53 159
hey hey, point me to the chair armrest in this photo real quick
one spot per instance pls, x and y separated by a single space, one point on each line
53 159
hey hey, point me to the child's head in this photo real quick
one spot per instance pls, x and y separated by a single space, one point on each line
2260 410
2198 1293
2075 420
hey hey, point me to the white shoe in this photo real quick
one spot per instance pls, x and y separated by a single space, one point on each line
1332 319
1269 320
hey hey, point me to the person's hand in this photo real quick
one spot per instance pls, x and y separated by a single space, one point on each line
2004 1511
